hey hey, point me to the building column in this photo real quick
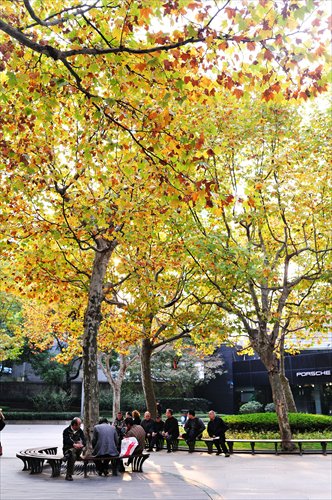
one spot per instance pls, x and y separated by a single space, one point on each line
317 398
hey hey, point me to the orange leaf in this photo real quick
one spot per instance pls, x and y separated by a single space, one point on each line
268 55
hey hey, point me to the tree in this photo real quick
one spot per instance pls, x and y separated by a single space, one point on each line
157 300
115 368
179 371
261 240
11 338
72 140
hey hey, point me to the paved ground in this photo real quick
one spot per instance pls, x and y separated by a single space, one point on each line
167 476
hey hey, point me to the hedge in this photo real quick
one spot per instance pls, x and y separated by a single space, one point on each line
299 422
31 415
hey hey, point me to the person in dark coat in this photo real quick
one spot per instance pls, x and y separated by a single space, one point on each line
147 424
136 417
73 444
2 426
216 429
105 446
157 434
171 431
194 427
120 425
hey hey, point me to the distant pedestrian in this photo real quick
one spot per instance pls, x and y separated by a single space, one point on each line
2 425
216 429
159 408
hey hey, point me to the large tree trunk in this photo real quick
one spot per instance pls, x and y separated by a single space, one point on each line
116 398
92 320
150 398
272 364
281 409
291 407
290 403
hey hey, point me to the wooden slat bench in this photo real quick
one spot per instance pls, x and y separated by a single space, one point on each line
277 442
301 443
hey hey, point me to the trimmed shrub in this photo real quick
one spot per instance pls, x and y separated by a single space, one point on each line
30 415
262 422
270 408
105 400
251 407
50 400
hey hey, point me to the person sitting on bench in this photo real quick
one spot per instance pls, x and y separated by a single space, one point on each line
194 427
73 444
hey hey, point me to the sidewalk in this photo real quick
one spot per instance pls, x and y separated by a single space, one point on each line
182 476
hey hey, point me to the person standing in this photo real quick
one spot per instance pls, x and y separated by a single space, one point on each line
194 427
216 429
2 426
73 444
148 424
105 446
171 431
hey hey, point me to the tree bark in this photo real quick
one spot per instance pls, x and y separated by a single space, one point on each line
290 402
92 320
150 398
291 407
272 364
281 409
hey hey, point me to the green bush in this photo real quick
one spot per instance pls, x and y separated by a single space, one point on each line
105 400
30 415
270 408
251 407
263 422
133 401
50 400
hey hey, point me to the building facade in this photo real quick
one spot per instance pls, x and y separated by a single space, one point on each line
245 379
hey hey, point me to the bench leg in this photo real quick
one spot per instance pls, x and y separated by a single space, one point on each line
230 446
36 465
137 463
252 445
323 445
301 450
56 467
